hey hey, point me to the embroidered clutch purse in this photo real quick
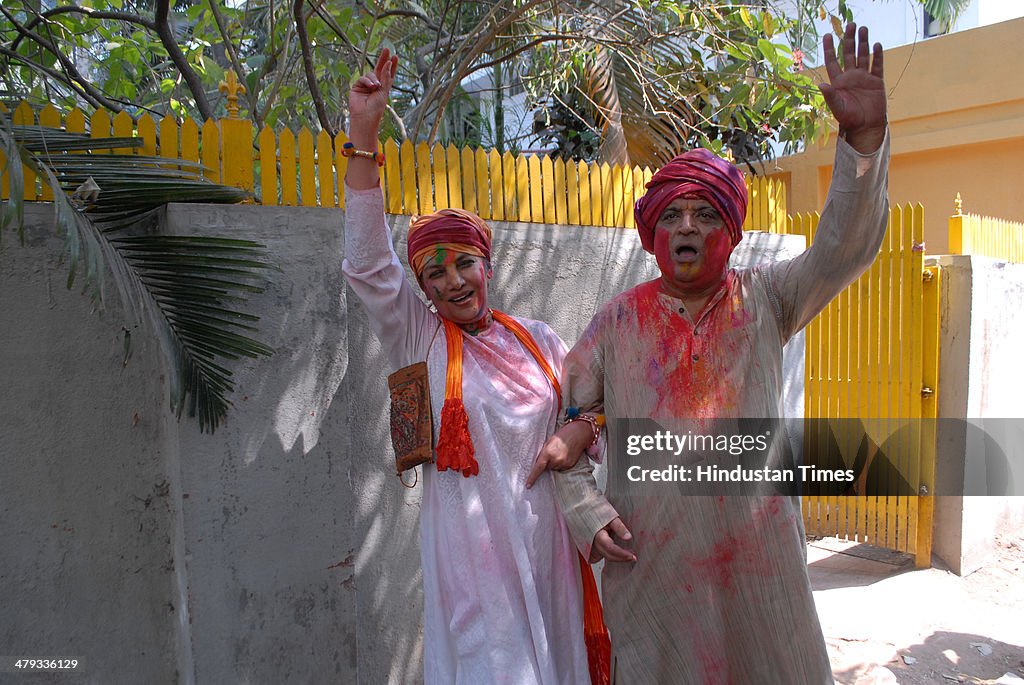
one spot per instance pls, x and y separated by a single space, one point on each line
411 419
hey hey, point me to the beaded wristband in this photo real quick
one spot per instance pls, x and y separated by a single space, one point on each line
596 422
349 150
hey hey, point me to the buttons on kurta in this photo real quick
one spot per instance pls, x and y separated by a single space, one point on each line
695 357
682 310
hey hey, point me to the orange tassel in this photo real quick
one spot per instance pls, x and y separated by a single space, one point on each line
595 635
454 445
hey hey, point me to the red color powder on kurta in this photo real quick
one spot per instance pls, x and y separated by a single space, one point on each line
719 565
713 664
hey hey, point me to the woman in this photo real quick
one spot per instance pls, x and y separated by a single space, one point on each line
501 577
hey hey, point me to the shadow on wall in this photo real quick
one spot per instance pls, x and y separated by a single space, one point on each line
385 518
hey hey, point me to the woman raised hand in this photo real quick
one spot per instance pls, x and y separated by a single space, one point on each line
366 104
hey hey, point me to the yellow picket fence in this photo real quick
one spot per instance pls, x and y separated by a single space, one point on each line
308 170
985 236
871 355
871 376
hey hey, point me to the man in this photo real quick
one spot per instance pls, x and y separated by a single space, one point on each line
715 589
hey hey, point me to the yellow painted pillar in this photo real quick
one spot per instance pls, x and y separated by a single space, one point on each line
236 139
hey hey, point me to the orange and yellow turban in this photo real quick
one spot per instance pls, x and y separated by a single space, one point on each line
454 230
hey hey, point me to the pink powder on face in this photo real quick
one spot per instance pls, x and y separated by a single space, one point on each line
441 287
698 276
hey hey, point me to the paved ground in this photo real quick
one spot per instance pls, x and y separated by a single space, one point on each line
887 622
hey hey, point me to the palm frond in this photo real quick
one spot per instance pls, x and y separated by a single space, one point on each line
190 289
14 211
946 11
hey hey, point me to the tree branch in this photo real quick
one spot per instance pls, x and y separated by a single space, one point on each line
462 68
414 15
67 65
126 17
356 53
170 43
307 64
286 67
229 48
55 75
512 53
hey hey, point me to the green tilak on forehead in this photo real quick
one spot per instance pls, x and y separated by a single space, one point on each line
440 255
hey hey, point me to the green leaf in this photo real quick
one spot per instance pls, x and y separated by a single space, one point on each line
188 288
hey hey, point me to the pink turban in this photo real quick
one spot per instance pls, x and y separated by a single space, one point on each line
697 172
455 230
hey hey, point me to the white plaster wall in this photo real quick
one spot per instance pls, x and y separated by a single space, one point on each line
980 377
996 379
280 549
269 499
88 494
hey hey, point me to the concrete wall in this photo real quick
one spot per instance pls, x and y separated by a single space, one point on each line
956 114
280 549
90 531
980 376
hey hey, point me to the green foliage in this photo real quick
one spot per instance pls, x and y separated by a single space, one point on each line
655 77
569 129
677 74
188 288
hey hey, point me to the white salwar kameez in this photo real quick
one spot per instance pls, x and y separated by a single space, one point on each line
501 591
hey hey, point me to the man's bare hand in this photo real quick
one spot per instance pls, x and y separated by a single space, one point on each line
856 92
605 543
562 450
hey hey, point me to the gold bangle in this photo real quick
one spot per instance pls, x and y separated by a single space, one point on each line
349 150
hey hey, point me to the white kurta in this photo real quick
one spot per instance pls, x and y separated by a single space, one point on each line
501 591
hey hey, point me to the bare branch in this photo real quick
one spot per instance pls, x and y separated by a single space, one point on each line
229 47
402 133
307 64
414 14
355 52
285 70
170 43
55 75
470 55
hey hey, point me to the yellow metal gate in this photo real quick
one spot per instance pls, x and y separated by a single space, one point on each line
871 377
